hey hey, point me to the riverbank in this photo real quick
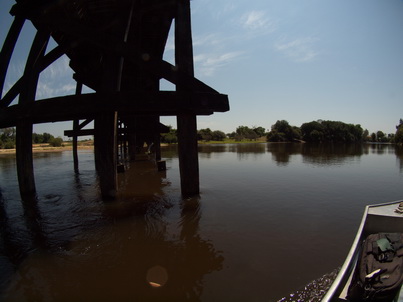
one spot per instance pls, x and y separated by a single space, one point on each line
89 145
47 148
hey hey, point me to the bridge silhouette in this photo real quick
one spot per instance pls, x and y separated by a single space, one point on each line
114 47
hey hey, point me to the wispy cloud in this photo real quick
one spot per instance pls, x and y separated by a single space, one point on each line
213 39
257 20
211 53
56 80
15 71
208 63
299 49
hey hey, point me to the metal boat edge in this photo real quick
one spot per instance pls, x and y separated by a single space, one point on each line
367 226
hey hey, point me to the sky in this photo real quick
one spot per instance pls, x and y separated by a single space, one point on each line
294 60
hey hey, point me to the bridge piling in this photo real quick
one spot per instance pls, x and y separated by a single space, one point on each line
117 50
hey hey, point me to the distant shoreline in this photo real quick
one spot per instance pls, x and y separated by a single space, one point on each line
48 149
69 147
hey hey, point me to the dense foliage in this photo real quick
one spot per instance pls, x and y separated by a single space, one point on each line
7 139
246 133
282 131
331 131
170 137
208 135
399 133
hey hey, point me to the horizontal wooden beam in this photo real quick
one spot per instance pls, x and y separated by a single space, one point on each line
82 132
147 129
85 106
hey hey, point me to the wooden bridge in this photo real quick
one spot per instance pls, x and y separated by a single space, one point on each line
116 48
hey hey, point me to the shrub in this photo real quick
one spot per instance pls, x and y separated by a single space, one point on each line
56 142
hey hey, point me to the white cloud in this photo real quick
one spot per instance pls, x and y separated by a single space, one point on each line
299 50
209 39
206 64
257 20
56 80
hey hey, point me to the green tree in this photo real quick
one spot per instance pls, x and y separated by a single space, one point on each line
205 134
171 137
47 137
380 136
282 131
37 138
218 135
231 135
260 131
275 136
365 136
331 131
56 142
244 132
7 138
399 133
313 131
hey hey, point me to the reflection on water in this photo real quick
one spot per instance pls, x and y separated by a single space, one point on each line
125 253
266 215
129 259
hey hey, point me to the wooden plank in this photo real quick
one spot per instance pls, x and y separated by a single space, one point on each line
80 132
86 106
148 129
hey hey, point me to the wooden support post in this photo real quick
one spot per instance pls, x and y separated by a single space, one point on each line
24 156
105 147
76 123
105 131
75 146
157 143
186 121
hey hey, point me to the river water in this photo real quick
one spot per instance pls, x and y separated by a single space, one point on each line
270 219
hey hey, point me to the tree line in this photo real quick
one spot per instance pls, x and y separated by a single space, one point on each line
207 135
282 131
8 137
331 131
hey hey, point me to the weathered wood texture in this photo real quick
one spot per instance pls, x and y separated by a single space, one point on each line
186 120
105 149
105 136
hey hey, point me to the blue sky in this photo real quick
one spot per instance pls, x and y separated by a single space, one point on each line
298 60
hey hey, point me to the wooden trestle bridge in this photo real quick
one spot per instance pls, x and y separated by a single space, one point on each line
116 48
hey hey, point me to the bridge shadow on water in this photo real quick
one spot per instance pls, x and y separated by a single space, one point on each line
145 246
